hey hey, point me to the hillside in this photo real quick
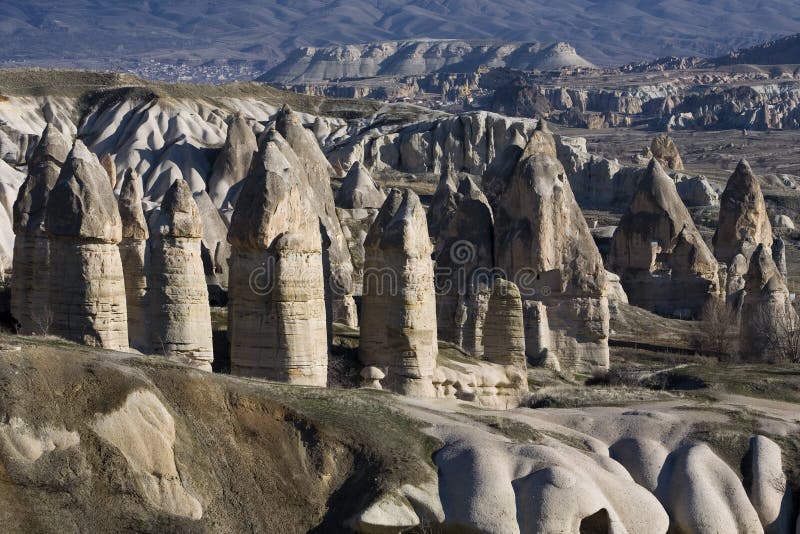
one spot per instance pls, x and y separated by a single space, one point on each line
778 52
110 33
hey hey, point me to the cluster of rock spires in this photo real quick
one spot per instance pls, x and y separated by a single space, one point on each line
300 254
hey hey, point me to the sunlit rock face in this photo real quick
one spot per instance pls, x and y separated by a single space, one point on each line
179 310
87 290
276 307
30 295
543 244
135 261
398 312
660 256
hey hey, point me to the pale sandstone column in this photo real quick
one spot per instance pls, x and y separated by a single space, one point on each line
276 306
133 252
30 296
180 314
87 288
398 327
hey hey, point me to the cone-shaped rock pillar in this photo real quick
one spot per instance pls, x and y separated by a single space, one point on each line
30 295
133 252
743 218
768 317
180 316
660 256
87 288
543 244
276 306
398 331
233 163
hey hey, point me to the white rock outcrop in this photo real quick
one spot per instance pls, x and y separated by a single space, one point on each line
660 256
543 244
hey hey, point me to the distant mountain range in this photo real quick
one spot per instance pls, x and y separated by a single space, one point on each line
246 35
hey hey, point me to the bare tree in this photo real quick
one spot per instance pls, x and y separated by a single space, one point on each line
44 321
775 334
719 330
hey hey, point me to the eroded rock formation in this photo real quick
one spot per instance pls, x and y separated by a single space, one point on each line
180 317
664 150
768 316
464 256
232 164
543 244
743 219
135 264
30 296
358 190
86 300
504 329
660 256
304 154
398 326
277 315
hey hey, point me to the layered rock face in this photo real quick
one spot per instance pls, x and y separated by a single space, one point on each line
664 150
743 219
276 307
233 163
504 329
767 312
86 300
30 295
543 244
314 172
180 317
398 327
660 256
135 264
111 169
464 256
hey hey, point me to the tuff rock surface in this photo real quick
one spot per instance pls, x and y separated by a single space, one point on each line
543 244
276 307
660 256
86 300
398 310
180 317
135 261
30 293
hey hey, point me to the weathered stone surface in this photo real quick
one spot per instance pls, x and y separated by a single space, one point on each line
743 219
543 244
276 306
767 311
135 264
111 169
659 254
30 295
232 163
664 150
783 221
398 330
305 155
359 190
696 191
464 256
504 329
769 492
214 247
180 316
87 289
